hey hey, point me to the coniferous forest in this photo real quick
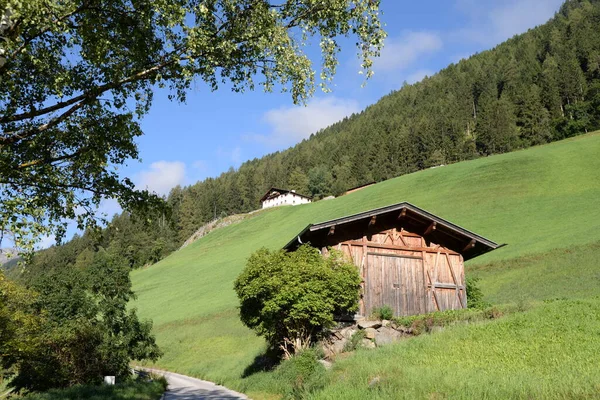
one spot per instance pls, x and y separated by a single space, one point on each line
538 87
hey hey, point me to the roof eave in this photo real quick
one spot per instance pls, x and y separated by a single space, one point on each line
488 245
296 238
399 206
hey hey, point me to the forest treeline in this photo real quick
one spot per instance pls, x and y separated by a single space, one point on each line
535 88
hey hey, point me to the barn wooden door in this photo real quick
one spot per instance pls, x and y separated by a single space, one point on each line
445 282
397 281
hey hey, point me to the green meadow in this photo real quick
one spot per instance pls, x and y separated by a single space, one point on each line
547 352
543 202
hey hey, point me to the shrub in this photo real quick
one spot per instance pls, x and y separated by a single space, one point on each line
384 312
133 390
303 374
422 325
493 313
160 379
74 327
289 298
475 295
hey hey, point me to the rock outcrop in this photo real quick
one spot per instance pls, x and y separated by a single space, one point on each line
364 333
213 225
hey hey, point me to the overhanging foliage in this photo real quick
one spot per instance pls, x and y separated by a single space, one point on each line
77 75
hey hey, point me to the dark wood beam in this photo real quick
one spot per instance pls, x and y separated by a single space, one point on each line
469 246
431 228
396 247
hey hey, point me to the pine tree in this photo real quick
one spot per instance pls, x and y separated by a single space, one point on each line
298 181
533 118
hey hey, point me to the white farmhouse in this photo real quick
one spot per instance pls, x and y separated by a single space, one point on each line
280 197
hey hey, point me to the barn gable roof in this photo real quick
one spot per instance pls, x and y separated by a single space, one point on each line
412 218
274 192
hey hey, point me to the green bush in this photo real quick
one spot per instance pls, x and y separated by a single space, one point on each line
384 312
303 374
160 379
73 326
127 391
289 298
475 295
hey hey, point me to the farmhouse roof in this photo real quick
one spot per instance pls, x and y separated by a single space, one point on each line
274 192
412 218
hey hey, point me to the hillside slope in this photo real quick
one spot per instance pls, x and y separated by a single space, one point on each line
534 200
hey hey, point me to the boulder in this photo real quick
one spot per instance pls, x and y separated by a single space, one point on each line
370 333
338 334
327 348
327 352
338 346
385 322
368 344
369 324
402 329
385 335
348 332
333 346
326 364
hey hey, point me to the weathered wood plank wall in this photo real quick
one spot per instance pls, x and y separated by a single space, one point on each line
403 270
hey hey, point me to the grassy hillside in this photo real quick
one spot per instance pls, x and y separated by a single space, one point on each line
546 353
541 202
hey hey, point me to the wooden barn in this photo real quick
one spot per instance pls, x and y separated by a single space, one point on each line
409 259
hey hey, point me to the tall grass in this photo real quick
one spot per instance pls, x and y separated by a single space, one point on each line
548 352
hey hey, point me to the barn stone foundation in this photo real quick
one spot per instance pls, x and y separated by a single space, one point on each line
374 334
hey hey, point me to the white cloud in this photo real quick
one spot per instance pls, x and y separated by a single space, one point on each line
290 125
402 52
161 177
503 20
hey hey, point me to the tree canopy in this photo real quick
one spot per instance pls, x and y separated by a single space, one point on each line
289 298
77 75
69 326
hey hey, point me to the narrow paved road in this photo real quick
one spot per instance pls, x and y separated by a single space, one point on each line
183 387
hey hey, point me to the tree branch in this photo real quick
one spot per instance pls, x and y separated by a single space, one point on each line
79 102
42 161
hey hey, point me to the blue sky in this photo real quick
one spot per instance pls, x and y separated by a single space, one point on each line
213 131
